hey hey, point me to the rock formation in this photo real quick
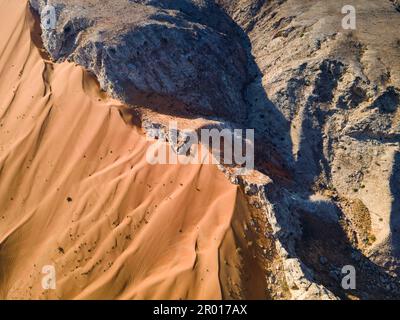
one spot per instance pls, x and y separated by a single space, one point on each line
324 102
181 57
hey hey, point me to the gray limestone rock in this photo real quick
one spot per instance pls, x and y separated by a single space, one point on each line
176 57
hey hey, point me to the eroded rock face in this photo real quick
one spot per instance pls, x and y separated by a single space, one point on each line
328 99
325 99
177 57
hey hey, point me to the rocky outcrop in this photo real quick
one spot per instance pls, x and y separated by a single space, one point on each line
324 101
277 204
177 57
328 99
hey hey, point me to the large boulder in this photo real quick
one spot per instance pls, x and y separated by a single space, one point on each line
177 57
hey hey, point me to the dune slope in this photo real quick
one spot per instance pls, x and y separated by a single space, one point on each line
77 193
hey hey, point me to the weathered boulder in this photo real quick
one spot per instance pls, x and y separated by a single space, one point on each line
177 57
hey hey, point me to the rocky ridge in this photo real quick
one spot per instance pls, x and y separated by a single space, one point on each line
327 109
164 55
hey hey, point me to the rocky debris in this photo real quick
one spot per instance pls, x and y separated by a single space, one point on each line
176 57
182 140
301 287
330 105
277 203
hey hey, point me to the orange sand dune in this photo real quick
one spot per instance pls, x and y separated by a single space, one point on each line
76 193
